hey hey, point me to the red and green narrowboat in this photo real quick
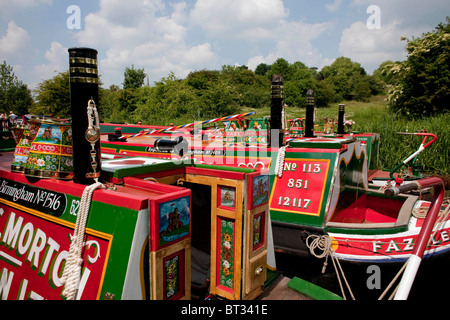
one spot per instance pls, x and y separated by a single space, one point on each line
111 211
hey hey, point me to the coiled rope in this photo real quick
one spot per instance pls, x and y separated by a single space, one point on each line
323 243
320 246
72 269
422 212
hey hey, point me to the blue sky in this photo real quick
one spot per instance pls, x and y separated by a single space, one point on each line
181 36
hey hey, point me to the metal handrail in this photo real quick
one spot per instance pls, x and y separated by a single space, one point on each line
425 232
414 156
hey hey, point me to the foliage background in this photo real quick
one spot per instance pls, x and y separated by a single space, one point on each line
417 93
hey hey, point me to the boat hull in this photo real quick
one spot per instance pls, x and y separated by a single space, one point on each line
390 248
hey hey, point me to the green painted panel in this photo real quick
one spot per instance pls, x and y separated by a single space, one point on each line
311 290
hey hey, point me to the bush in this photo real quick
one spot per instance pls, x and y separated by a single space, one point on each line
422 82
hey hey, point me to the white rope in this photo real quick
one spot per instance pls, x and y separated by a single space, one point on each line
324 243
72 269
280 161
391 284
321 247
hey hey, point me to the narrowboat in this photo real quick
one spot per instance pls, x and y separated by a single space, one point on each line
116 212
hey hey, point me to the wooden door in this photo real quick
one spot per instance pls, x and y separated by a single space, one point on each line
170 244
255 234
239 224
226 234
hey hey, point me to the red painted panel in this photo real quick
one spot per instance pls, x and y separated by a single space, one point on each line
33 251
301 187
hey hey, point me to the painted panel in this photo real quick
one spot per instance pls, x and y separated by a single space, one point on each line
44 200
301 188
259 228
52 213
174 276
259 191
257 133
51 149
170 271
226 259
174 220
226 197
33 251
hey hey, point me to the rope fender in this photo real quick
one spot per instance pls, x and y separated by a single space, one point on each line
72 269
279 166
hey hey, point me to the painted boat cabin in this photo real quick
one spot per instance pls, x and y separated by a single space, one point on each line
320 182
202 231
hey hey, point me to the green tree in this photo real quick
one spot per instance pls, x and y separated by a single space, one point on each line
262 69
383 72
133 78
249 89
340 73
280 66
14 95
360 87
200 80
324 93
376 83
53 96
422 82
170 101
110 103
301 78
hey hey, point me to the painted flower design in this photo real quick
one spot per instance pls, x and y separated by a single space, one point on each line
227 254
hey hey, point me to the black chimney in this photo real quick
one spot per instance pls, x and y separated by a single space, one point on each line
309 122
341 119
276 109
84 91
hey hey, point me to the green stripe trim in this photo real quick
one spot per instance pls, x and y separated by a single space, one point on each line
223 168
311 290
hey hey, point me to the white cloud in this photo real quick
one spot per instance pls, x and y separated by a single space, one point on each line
293 42
371 47
14 42
57 62
179 14
332 7
197 55
408 18
408 13
255 22
24 3
146 34
248 19
253 62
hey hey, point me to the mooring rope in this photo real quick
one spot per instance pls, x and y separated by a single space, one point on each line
392 283
422 212
72 269
320 246
324 243
443 215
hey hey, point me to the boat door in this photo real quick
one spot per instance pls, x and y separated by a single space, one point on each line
257 237
239 217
